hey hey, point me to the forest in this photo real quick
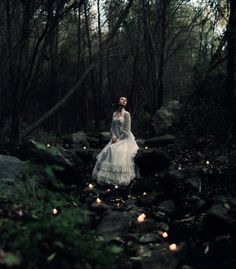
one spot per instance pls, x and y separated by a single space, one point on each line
64 65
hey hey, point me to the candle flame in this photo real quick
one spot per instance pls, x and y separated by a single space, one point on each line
90 186
173 247
141 217
165 234
54 211
98 200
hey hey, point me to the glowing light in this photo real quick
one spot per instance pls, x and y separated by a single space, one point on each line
98 201
108 190
146 147
48 145
54 211
173 247
207 162
144 193
116 187
90 186
179 168
164 234
141 217
84 147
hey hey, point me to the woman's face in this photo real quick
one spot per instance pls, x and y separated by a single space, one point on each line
122 101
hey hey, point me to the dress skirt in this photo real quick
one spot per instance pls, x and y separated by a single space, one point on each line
115 163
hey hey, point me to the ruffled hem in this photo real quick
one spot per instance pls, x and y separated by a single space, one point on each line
106 172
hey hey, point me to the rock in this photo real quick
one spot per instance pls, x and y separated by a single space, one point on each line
80 138
140 142
11 168
174 182
160 258
167 206
166 117
94 142
114 224
151 160
221 213
148 199
148 225
159 141
104 138
100 208
143 184
194 183
31 150
195 204
149 237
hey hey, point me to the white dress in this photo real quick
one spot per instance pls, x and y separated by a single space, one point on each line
115 163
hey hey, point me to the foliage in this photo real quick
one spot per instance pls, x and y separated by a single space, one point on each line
32 234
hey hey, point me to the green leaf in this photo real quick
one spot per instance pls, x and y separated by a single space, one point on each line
116 249
51 257
11 260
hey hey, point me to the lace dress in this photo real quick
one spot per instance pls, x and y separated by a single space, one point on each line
115 163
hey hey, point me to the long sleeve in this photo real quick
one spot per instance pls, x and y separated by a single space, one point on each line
127 127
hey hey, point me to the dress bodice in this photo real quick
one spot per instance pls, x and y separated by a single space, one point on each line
120 126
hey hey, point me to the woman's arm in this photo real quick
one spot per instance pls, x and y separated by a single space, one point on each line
127 127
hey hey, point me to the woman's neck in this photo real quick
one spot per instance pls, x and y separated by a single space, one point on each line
120 108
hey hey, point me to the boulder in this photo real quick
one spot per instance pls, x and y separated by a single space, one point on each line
151 160
167 206
166 117
159 141
11 168
80 138
114 224
31 150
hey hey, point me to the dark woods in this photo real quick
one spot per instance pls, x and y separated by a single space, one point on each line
63 63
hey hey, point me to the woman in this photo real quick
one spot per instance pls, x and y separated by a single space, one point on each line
115 163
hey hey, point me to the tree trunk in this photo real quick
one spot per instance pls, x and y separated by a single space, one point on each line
89 68
231 57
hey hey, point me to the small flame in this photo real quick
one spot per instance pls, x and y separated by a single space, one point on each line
98 200
90 186
54 211
173 247
141 217
164 234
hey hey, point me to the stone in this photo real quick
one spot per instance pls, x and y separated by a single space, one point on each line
114 224
167 206
159 141
80 138
150 160
11 168
166 117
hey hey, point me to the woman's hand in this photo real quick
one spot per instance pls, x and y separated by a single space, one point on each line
114 140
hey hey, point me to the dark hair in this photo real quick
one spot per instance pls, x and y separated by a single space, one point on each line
115 104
